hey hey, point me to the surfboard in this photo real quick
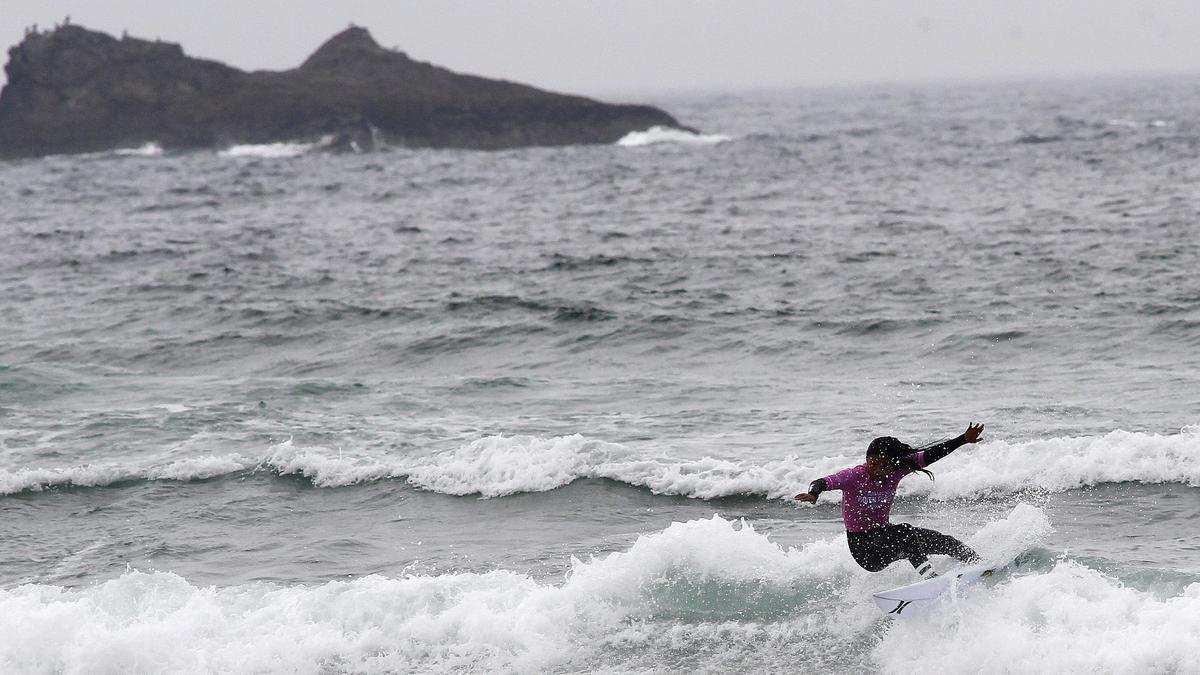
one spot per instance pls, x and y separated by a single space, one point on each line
913 597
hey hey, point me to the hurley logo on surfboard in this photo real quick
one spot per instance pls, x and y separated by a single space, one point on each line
924 593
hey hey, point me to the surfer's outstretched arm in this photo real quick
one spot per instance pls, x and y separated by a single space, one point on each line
814 489
936 452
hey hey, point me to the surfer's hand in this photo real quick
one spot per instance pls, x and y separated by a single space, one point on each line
806 497
973 432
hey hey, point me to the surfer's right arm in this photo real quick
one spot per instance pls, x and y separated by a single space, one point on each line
815 488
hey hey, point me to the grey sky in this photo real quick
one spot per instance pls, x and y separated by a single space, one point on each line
609 47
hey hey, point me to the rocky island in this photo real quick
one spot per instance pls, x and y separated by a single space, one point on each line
76 90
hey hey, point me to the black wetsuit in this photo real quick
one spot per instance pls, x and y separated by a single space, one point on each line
876 549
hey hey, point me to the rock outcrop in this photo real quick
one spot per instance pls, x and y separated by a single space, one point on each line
76 90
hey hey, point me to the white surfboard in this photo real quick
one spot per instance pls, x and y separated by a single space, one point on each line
923 593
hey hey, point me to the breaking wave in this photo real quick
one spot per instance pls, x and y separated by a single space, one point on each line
267 150
146 150
715 593
496 466
669 135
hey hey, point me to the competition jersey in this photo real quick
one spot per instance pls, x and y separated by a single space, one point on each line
867 503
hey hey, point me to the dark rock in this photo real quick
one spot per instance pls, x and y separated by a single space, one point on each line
75 90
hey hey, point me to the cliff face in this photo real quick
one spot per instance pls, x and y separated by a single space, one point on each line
76 90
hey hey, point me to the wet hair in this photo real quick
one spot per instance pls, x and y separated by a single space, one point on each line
898 452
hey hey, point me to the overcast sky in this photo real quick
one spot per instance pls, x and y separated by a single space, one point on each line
610 47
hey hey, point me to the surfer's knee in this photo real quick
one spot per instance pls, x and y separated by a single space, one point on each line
870 563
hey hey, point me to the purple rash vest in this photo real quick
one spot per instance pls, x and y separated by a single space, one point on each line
867 503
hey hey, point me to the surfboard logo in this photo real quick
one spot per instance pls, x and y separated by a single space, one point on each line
923 593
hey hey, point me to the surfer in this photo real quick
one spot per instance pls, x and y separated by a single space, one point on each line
867 494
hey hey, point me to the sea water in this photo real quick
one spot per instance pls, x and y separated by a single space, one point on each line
274 410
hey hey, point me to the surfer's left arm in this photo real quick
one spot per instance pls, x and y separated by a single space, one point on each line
971 435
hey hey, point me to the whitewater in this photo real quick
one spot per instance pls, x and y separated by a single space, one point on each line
704 594
497 466
273 409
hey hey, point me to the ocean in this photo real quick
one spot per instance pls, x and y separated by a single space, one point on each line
274 410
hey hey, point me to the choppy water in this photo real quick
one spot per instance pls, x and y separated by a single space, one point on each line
279 411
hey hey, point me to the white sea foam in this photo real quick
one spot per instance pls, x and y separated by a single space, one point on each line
101 475
267 150
499 465
1023 528
323 467
486 622
199 468
88 475
1070 620
713 589
146 150
1061 464
173 408
496 466
668 135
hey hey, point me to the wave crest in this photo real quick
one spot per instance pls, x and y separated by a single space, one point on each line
668 135
267 150
492 621
497 466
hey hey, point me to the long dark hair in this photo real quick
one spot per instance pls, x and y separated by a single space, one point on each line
898 452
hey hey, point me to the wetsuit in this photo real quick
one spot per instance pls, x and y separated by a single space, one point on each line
866 505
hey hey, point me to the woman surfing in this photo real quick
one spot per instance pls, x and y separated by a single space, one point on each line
867 494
